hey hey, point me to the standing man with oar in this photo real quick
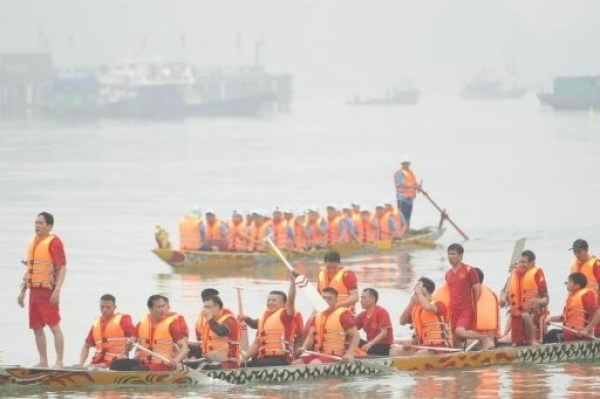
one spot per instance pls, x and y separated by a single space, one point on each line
406 188
44 277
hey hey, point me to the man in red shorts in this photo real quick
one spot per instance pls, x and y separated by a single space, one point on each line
45 275
463 285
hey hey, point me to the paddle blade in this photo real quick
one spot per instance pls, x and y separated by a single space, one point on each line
518 248
244 344
310 293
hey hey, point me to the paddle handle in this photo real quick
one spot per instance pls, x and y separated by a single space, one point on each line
239 299
563 327
436 348
443 212
278 252
323 355
156 355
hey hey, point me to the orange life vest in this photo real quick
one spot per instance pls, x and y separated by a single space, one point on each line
330 336
522 290
226 347
333 234
587 268
574 314
189 233
236 233
365 231
410 179
337 282
40 268
108 338
157 338
300 235
201 321
394 214
317 235
258 233
274 338
431 329
280 235
213 231
487 312
384 227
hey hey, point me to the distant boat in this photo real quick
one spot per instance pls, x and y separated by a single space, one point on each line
397 96
485 89
573 93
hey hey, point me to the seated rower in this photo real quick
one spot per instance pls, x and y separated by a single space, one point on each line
273 345
221 336
581 313
430 320
332 333
108 334
375 320
161 337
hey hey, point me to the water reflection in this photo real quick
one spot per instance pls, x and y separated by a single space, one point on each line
381 271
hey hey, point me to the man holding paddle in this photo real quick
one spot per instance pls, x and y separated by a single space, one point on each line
581 313
407 188
527 295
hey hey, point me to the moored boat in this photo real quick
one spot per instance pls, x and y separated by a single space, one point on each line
571 93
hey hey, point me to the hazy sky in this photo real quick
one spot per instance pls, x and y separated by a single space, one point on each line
430 42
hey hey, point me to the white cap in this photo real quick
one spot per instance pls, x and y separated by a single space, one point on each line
196 210
404 159
355 203
210 210
332 205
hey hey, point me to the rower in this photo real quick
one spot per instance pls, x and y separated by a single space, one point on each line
342 279
220 336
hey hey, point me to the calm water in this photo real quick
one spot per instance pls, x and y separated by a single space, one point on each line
502 169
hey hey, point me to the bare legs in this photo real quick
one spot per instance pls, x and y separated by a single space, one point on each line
42 346
486 341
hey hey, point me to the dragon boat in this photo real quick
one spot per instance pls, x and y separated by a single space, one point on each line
18 376
189 260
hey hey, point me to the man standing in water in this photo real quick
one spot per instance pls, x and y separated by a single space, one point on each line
46 271
406 188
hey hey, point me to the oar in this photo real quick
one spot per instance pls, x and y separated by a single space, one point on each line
333 357
243 326
563 327
196 374
436 348
445 215
302 283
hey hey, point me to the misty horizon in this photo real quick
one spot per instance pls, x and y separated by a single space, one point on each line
368 45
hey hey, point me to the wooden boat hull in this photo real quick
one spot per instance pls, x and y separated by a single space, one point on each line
18 376
187 260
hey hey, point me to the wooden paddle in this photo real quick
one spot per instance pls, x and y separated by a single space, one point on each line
302 283
333 357
444 214
436 348
563 327
194 373
244 344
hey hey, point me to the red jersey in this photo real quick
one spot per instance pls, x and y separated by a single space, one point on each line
372 325
459 286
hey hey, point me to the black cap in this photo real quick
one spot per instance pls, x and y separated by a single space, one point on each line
332 256
579 244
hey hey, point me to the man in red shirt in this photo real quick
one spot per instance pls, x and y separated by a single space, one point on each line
159 334
463 285
586 263
582 301
332 333
341 279
527 295
108 334
375 321
45 275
